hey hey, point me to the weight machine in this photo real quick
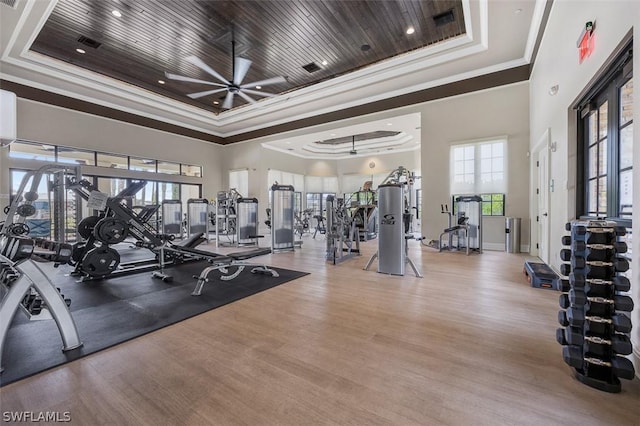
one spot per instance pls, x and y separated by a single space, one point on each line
172 218
26 287
23 204
468 228
394 232
197 217
396 201
226 217
247 216
365 212
343 236
282 222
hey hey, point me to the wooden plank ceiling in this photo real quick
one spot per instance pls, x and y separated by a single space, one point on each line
280 37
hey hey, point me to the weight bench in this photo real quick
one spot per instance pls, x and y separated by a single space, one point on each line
222 262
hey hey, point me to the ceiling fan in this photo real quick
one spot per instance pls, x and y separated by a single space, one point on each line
234 86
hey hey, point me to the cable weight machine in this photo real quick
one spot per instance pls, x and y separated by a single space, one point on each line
343 235
395 204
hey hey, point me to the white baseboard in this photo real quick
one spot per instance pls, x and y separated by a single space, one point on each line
500 247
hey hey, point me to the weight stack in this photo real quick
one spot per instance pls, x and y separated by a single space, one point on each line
595 315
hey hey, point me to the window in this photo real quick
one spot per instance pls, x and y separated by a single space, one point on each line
297 201
478 168
76 156
142 164
168 168
239 180
112 161
317 202
188 170
605 140
32 151
492 204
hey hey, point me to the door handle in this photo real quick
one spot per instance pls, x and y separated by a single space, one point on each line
544 214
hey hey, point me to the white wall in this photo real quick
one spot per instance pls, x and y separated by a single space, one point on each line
489 113
557 63
59 126
495 112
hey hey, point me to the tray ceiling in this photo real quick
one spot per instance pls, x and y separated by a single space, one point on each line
307 42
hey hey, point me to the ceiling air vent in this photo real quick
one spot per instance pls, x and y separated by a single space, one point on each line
444 18
312 67
10 3
89 42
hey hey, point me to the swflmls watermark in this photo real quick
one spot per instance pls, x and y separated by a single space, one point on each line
36 416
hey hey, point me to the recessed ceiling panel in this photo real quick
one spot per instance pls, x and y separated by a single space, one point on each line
139 41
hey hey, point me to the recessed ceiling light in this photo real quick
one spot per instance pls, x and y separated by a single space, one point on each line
216 102
411 30
80 50
116 13
258 87
389 124
161 81
324 62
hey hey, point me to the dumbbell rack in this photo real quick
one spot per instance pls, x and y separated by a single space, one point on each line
596 326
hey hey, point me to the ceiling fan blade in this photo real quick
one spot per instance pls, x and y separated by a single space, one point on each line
205 93
246 97
241 67
190 80
198 63
259 93
273 80
228 101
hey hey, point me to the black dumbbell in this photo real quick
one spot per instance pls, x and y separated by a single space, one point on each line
561 335
564 285
579 262
619 343
562 318
565 269
576 317
578 297
618 246
622 367
584 230
577 280
564 301
566 240
565 255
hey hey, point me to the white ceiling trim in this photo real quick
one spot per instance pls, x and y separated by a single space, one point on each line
98 87
387 79
343 156
534 29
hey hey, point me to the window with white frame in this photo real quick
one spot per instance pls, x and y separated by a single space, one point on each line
479 168
285 178
239 180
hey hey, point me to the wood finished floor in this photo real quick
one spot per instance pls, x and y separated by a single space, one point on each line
469 344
